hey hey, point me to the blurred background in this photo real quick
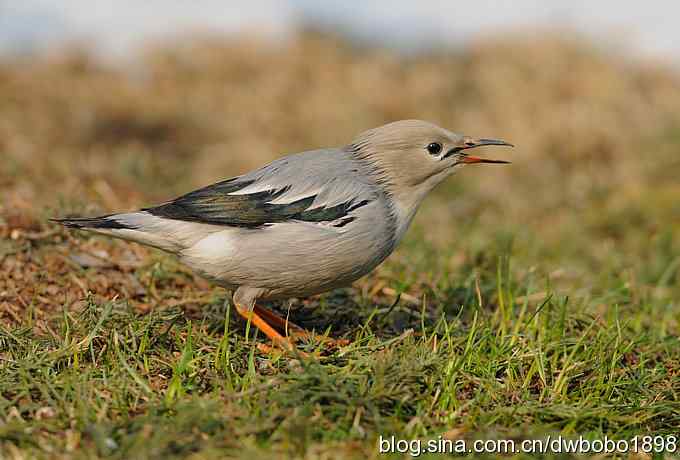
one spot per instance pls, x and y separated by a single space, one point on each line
126 104
118 28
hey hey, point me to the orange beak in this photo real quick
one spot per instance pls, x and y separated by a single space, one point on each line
471 160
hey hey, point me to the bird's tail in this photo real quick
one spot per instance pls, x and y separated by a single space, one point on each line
92 223
135 226
141 227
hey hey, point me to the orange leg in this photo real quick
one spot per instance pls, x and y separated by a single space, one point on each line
288 327
292 330
262 325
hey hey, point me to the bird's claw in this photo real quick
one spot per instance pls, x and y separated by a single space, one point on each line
307 336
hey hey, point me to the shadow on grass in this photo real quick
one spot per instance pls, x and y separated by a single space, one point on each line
339 313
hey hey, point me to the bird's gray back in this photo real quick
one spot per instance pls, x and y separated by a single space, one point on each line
315 186
303 224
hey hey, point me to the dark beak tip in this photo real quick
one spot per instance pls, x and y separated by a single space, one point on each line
483 142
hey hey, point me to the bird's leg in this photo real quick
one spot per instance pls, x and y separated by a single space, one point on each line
267 321
244 300
292 330
288 327
268 330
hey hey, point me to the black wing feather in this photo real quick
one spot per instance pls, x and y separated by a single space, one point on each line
214 204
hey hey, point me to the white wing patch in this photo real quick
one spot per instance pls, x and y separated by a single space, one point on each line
256 187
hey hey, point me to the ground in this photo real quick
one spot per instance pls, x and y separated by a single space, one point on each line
531 300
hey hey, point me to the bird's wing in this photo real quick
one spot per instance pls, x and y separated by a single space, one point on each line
318 186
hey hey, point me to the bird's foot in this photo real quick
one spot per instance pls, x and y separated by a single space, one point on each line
322 343
279 347
294 333
284 334
305 336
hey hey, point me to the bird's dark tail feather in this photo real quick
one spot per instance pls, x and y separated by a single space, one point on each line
103 222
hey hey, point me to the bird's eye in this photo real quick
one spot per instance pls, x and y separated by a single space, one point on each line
434 148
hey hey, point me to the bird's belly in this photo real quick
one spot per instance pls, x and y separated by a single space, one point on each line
288 259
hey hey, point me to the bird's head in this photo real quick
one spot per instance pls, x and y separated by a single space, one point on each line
411 156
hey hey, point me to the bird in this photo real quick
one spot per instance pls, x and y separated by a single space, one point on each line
303 224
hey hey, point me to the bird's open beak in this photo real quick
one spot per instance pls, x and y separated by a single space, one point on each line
470 143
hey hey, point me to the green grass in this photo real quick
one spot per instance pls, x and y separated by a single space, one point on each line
493 352
528 301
